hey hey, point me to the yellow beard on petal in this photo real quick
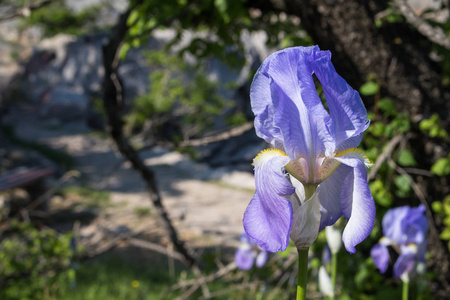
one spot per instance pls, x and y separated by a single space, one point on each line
330 165
265 155
355 152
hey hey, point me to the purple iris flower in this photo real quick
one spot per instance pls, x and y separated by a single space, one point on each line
404 229
314 174
249 253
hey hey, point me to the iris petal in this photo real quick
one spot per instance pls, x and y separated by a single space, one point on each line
357 204
380 256
330 196
262 107
392 223
405 262
415 225
347 111
268 217
303 118
244 258
261 259
306 222
284 100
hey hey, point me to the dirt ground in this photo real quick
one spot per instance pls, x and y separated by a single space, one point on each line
206 205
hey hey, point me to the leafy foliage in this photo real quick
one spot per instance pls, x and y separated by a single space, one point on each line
220 26
181 102
433 128
56 18
33 263
442 208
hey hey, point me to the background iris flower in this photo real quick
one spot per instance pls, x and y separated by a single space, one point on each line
314 174
404 229
249 254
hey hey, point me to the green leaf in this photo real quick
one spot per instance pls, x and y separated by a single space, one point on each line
369 88
437 207
441 167
380 195
403 185
425 125
387 106
378 129
406 158
134 15
445 235
123 51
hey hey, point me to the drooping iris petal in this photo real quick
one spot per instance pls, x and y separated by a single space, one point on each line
405 262
244 258
330 196
357 204
380 256
268 217
346 108
261 259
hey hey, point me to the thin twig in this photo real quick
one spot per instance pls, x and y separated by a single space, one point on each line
219 136
418 193
155 247
219 273
214 137
384 156
202 282
241 286
52 190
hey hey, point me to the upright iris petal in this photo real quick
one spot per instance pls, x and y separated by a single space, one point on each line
313 175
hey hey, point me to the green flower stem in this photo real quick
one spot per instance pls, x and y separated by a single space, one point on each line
310 189
405 290
334 271
302 273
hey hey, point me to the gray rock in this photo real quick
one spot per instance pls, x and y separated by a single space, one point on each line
64 104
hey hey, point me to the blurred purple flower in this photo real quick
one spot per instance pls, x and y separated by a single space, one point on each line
404 229
249 253
314 153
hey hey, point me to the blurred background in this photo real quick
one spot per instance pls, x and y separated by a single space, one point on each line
126 142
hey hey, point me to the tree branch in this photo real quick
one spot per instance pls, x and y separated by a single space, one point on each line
434 34
26 10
